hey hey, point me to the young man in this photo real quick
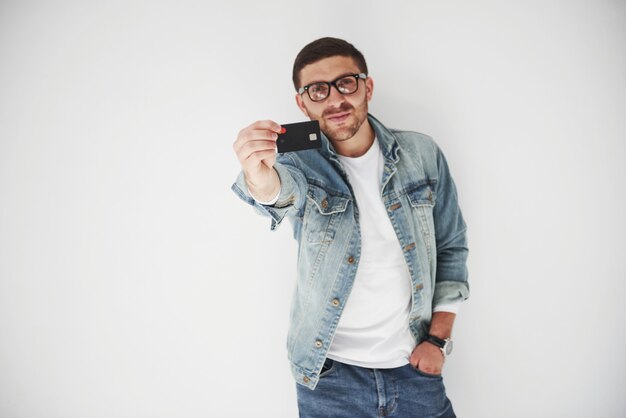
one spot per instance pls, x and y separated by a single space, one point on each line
382 246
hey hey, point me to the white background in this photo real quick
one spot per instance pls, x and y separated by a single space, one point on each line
133 283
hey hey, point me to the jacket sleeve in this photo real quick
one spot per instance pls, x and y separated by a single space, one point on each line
293 187
451 283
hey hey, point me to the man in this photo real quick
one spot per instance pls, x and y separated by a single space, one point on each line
382 246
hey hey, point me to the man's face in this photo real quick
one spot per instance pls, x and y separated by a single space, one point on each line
340 115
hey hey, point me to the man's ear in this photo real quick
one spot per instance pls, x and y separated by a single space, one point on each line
300 104
369 88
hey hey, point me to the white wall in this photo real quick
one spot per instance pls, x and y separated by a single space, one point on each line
133 283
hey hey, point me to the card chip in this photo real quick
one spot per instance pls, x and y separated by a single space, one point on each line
313 137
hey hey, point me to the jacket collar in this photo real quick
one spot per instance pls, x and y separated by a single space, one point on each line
387 140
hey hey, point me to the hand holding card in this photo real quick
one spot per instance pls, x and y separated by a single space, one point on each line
299 136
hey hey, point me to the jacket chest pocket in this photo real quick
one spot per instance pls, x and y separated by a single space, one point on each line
422 199
321 213
421 195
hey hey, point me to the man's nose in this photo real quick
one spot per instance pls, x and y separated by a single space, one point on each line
334 97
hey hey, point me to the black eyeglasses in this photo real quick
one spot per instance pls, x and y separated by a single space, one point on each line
319 91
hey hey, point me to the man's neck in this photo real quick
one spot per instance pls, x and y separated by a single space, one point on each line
359 144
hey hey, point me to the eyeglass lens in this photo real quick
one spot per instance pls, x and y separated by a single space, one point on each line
345 85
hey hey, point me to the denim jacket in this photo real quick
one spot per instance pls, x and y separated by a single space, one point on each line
421 201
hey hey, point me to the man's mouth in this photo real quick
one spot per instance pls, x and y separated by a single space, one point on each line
338 117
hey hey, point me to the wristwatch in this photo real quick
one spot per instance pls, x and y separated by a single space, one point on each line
445 345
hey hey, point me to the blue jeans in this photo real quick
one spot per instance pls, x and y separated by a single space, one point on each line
346 391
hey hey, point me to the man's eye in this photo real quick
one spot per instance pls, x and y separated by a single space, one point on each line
346 82
318 88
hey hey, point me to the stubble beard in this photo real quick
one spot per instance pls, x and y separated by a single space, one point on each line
344 133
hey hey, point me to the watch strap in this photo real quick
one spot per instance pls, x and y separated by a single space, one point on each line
439 342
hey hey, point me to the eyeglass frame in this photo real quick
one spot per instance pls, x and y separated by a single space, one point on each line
331 84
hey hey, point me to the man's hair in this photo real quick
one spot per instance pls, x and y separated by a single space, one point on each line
325 48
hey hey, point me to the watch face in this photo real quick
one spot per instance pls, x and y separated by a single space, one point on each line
448 347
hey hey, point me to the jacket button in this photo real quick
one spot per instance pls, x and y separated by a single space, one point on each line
419 286
318 344
335 302
324 204
306 379
351 260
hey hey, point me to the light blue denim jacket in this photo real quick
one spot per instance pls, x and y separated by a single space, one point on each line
421 202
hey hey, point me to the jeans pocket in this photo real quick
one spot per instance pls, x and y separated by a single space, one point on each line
427 375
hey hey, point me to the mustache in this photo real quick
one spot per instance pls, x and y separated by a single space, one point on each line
344 107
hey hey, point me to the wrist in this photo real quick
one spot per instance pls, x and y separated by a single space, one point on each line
441 324
265 189
439 334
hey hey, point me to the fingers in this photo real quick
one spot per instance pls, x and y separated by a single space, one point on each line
427 367
262 129
427 358
259 136
249 148
255 148
269 125
259 157
248 135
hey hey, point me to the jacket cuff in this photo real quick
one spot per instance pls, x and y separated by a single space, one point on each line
284 202
450 292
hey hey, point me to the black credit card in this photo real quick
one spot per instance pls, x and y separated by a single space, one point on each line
299 136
